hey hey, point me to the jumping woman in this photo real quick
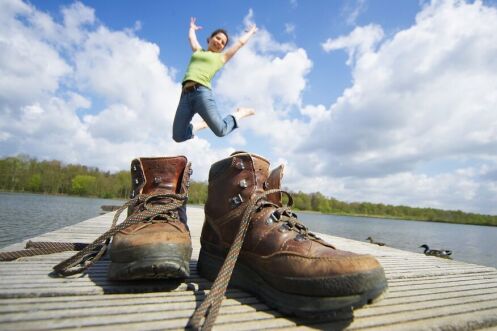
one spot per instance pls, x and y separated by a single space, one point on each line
196 95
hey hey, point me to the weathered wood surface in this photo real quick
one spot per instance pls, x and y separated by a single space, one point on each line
425 293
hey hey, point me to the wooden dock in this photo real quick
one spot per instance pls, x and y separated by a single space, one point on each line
425 293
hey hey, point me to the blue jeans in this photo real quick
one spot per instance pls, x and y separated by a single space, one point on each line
200 101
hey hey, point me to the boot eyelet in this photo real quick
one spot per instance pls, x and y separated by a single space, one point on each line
136 181
284 228
157 180
243 183
236 201
299 237
272 218
240 165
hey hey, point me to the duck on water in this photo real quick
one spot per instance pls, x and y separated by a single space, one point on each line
444 253
375 242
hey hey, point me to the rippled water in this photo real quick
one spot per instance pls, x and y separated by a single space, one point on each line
27 215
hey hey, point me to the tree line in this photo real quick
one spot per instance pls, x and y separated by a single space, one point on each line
26 174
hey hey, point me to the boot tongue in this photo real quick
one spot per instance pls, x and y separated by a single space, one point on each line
163 174
261 168
274 182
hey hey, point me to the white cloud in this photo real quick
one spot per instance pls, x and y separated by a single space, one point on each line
360 41
272 83
290 28
428 94
75 17
352 12
30 66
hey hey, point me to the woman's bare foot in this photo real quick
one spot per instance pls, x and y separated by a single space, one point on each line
243 112
199 126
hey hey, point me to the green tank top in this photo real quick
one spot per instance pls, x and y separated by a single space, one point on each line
203 66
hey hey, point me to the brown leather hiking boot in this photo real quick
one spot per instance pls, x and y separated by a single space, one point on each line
280 261
160 246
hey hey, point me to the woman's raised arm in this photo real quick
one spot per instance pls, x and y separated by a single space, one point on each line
192 36
239 43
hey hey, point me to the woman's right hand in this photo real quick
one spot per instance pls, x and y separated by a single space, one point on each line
192 37
252 29
193 24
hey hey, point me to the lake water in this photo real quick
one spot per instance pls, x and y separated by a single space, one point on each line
27 215
469 243
24 215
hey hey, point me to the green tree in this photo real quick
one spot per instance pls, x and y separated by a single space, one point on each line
197 193
83 184
34 183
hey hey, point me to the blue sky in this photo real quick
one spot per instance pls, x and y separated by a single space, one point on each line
380 101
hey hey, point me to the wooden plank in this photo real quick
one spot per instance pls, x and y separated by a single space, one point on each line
112 299
17 311
170 319
143 308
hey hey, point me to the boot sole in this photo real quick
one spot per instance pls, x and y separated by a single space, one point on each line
309 307
149 269
156 262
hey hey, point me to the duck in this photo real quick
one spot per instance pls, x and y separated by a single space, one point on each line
444 253
375 242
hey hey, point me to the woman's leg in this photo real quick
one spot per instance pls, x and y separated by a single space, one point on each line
205 105
182 128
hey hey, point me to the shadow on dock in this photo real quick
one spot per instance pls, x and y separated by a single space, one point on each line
236 301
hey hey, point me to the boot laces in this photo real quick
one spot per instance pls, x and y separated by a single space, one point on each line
287 217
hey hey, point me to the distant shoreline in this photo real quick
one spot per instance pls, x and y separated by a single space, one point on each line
394 218
298 210
25 174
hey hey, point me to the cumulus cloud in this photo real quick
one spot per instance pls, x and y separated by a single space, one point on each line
360 41
30 66
270 81
427 94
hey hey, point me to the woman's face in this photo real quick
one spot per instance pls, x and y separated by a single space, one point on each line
217 43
